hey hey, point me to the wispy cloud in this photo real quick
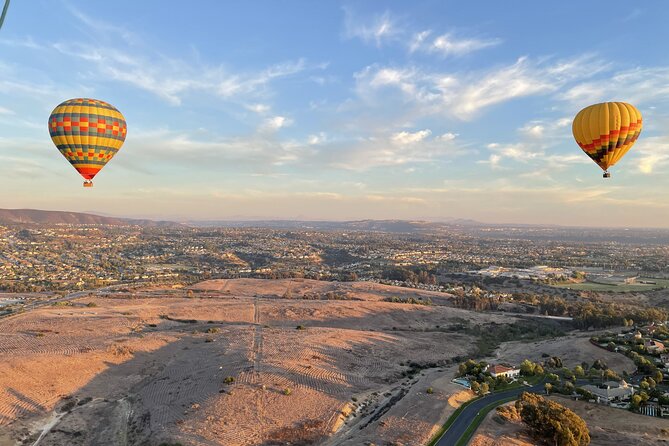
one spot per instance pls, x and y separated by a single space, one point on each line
639 86
449 44
464 95
381 28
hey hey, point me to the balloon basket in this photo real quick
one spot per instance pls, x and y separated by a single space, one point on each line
607 175
88 183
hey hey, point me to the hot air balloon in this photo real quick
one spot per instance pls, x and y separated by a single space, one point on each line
607 131
88 133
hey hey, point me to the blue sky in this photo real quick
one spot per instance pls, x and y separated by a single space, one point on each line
340 110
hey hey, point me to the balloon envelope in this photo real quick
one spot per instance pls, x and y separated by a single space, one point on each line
88 133
607 131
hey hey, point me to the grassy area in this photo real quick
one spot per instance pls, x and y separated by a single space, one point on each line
622 288
478 419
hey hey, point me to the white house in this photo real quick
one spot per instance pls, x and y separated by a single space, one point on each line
502 370
610 391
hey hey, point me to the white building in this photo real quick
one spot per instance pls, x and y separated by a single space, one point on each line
502 370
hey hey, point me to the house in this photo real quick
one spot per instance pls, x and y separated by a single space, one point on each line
654 346
502 370
610 391
665 360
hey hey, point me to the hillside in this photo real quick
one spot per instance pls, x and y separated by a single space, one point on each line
35 216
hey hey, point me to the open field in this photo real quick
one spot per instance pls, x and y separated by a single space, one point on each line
150 365
613 288
573 349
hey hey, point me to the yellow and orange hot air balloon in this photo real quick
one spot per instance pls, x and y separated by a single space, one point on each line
88 133
607 131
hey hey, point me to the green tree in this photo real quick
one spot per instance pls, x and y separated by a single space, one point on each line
552 422
548 387
485 388
658 377
579 372
527 367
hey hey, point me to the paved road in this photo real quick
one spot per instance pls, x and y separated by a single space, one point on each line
453 434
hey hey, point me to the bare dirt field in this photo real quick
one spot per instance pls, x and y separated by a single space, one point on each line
225 364
608 427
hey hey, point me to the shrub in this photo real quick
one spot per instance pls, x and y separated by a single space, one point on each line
287 391
229 380
91 304
429 391
300 327
213 330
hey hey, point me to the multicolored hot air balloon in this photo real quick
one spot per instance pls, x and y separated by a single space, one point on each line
607 131
88 133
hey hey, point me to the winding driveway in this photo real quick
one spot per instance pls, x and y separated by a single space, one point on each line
460 425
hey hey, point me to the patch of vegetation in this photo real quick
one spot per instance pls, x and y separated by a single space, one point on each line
91 305
429 391
287 391
300 327
552 422
491 335
213 330
409 300
62 303
229 380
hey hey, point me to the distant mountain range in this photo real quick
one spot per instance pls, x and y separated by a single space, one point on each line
470 227
34 216
357 225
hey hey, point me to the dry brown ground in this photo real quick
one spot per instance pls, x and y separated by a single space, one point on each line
140 368
573 349
608 427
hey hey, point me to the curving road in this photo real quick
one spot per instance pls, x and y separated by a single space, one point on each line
453 434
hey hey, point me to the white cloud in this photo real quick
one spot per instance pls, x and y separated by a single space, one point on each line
653 153
447 137
317 139
638 86
448 44
403 138
6 111
260 109
379 30
276 122
533 130
465 95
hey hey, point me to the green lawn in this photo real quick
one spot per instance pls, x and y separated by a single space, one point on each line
624 288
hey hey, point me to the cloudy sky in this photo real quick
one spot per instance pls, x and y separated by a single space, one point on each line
340 110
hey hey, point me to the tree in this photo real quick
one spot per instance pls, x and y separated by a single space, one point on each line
485 388
476 387
552 421
527 367
658 377
635 402
538 370
579 372
548 387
